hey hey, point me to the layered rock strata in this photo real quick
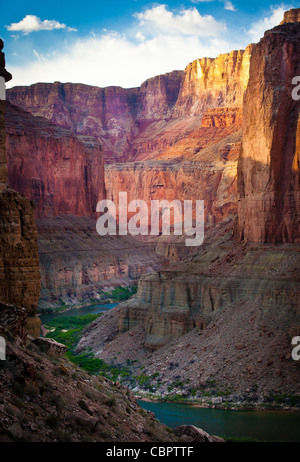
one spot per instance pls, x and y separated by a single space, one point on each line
123 119
77 264
215 82
62 174
19 260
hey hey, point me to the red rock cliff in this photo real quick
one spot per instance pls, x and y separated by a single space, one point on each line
268 172
61 173
292 15
19 261
212 83
130 122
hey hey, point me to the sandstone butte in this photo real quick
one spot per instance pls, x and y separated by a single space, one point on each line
232 302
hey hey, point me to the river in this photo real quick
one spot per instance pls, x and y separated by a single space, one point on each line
255 425
94 309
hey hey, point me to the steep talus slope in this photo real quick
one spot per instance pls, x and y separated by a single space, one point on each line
227 315
47 399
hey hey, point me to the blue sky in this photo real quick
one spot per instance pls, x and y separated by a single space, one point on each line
124 42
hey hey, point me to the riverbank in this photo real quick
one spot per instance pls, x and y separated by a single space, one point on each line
230 404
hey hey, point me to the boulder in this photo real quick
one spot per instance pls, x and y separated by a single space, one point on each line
196 435
50 345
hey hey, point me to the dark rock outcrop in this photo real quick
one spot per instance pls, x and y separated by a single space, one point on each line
53 391
13 321
19 260
196 435
50 345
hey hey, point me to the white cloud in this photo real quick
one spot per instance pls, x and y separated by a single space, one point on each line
258 28
160 41
229 6
114 60
32 23
140 36
186 22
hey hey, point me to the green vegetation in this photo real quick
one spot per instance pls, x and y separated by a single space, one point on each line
74 326
68 330
120 293
287 400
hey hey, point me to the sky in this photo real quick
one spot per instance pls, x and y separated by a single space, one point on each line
123 43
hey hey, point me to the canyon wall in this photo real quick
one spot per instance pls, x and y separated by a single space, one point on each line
214 182
268 211
157 96
78 265
145 125
139 123
61 173
3 161
242 296
19 260
210 83
268 171
291 16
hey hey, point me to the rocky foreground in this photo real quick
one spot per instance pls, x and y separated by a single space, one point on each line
44 398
